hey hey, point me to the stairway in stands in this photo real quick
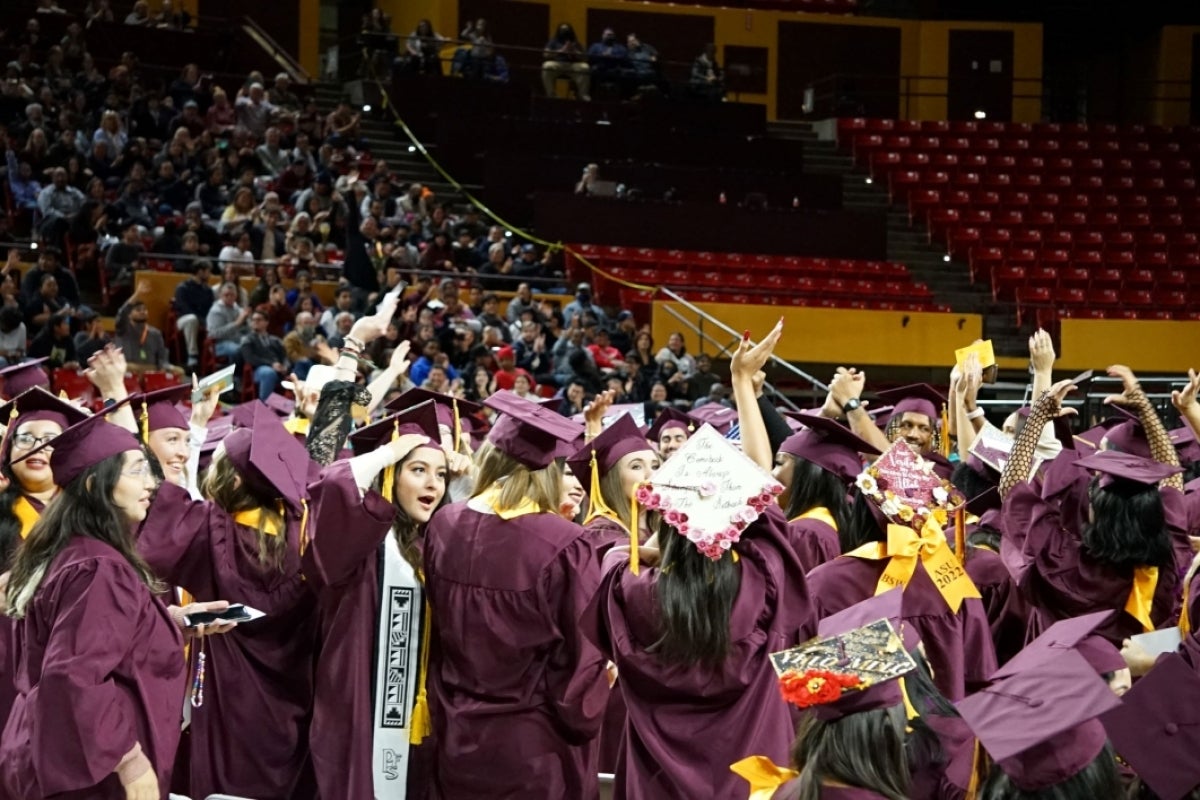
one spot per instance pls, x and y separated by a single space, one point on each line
386 143
949 281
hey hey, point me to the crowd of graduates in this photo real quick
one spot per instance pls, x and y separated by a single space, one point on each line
352 593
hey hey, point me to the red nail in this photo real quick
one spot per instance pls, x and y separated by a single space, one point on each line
746 334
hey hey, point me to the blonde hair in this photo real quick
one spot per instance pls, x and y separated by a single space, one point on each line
226 487
516 481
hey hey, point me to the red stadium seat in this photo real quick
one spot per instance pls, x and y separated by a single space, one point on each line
1006 279
1138 279
1106 277
982 261
1034 298
1073 277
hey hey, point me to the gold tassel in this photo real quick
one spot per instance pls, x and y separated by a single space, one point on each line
960 534
945 432
457 425
389 472
910 711
421 724
145 421
634 529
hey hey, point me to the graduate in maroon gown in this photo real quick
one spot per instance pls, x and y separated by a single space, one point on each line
690 631
889 543
612 466
849 685
249 736
670 430
816 467
1123 559
31 418
349 561
515 691
20 378
1040 726
174 440
100 672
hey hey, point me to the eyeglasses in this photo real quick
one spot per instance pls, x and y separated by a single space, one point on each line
140 471
27 441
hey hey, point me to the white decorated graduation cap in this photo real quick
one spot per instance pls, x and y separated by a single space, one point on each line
710 491
532 434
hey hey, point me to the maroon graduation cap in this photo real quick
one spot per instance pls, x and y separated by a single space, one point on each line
671 418
156 411
270 459
21 377
830 445
421 419
85 444
920 398
612 444
530 433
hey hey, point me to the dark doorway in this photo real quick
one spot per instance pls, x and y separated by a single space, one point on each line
1195 109
980 75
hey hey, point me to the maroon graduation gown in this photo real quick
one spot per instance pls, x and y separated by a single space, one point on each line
1060 580
1007 610
100 670
342 565
815 542
949 779
8 652
250 736
958 646
687 724
607 533
516 693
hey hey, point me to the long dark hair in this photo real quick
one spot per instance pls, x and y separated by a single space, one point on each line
816 487
862 526
1128 527
1097 779
695 599
924 747
83 508
864 749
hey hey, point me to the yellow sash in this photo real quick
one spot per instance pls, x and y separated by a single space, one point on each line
1141 597
764 775
904 547
26 514
491 498
820 514
251 519
297 425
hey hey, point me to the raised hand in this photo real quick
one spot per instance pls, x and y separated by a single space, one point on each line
1184 399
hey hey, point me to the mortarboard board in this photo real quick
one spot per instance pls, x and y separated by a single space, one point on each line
271 460
1094 435
881 416
156 410
420 419
889 605
85 444
280 405
848 671
721 418
671 418
529 433
37 403
448 408
1061 636
1113 465
830 445
552 403
1040 725
920 398
243 413
1157 728
1101 654
612 444
20 377
1184 439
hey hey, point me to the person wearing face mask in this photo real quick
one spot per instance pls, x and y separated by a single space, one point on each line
101 677
368 582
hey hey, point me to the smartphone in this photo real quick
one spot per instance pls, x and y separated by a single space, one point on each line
235 613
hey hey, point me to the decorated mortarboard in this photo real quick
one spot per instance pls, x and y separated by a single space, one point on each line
671 418
21 377
710 491
532 435
720 417
1157 728
848 671
271 460
157 410
85 444
1061 636
1114 465
830 445
920 398
889 605
611 445
915 504
1040 725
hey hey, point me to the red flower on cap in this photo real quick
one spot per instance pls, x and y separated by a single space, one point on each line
815 687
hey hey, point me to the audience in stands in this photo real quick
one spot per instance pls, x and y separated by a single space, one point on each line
708 79
563 57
